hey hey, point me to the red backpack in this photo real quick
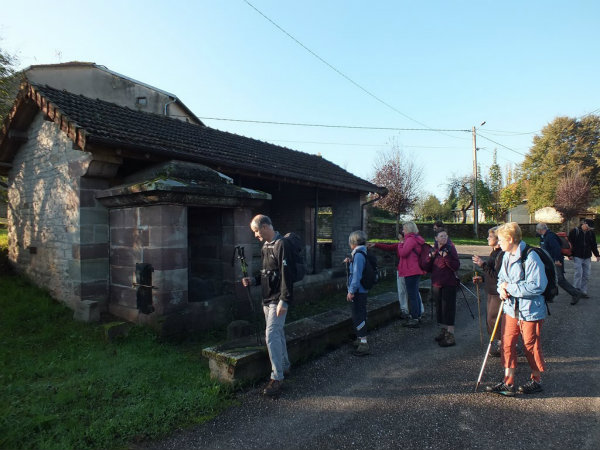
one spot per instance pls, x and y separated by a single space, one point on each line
565 245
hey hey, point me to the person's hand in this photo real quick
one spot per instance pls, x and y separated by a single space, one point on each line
557 263
280 309
350 297
503 293
247 281
347 260
477 260
370 245
477 279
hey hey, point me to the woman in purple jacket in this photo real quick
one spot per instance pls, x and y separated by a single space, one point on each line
444 283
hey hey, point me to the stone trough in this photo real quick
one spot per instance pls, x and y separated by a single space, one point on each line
243 360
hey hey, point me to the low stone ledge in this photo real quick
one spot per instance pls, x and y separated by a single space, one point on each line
244 360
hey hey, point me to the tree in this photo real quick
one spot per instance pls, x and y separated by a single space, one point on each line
402 177
511 196
8 83
565 145
429 208
494 182
462 187
572 194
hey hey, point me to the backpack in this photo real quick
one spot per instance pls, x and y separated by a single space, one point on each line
370 275
295 260
551 290
425 259
565 246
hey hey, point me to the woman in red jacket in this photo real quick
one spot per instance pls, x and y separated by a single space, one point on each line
443 284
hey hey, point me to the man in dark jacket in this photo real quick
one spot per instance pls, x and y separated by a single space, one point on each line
550 242
583 243
277 290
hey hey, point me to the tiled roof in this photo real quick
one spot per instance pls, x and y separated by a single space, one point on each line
111 125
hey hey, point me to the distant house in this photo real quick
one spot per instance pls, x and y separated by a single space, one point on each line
98 190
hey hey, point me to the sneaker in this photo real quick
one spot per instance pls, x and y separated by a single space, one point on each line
441 335
502 389
273 388
362 349
412 323
531 387
448 340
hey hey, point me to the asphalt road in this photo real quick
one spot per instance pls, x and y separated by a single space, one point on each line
411 393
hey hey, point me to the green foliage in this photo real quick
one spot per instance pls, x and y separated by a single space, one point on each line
63 386
8 83
565 145
430 209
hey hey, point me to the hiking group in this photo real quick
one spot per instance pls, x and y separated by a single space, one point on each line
519 280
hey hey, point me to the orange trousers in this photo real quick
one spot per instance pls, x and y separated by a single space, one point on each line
530 332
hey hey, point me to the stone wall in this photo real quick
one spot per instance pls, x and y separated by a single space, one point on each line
155 235
44 211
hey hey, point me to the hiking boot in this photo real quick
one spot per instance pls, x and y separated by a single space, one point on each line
502 389
356 342
362 349
448 340
404 315
411 323
273 388
583 294
531 387
576 298
441 335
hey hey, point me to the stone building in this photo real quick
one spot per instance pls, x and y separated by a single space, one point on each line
96 189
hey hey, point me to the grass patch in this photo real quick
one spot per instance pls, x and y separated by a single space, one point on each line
63 386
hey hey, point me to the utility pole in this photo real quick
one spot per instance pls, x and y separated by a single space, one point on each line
475 204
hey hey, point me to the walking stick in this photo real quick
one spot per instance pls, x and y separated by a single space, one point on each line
478 310
487 353
239 250
462 289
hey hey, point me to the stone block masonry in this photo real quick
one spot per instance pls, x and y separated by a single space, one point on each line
45 216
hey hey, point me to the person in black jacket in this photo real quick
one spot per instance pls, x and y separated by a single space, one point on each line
491 267
583 242
550 242
277 291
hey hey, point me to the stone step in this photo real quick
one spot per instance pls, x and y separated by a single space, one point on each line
243 360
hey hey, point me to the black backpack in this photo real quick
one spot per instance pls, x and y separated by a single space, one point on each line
295 260
551 290
370 275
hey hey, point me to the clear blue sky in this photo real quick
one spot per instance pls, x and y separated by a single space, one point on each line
438 65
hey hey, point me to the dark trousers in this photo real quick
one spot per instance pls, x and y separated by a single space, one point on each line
412 292
445 303
562 281
359 314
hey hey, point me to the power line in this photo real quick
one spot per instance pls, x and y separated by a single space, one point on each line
339 72
299 124
501 145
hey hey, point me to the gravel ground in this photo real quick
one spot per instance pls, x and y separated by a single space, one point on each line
411 393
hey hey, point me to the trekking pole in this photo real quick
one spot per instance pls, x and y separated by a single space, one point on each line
478 310
487 353
239 251
462 289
